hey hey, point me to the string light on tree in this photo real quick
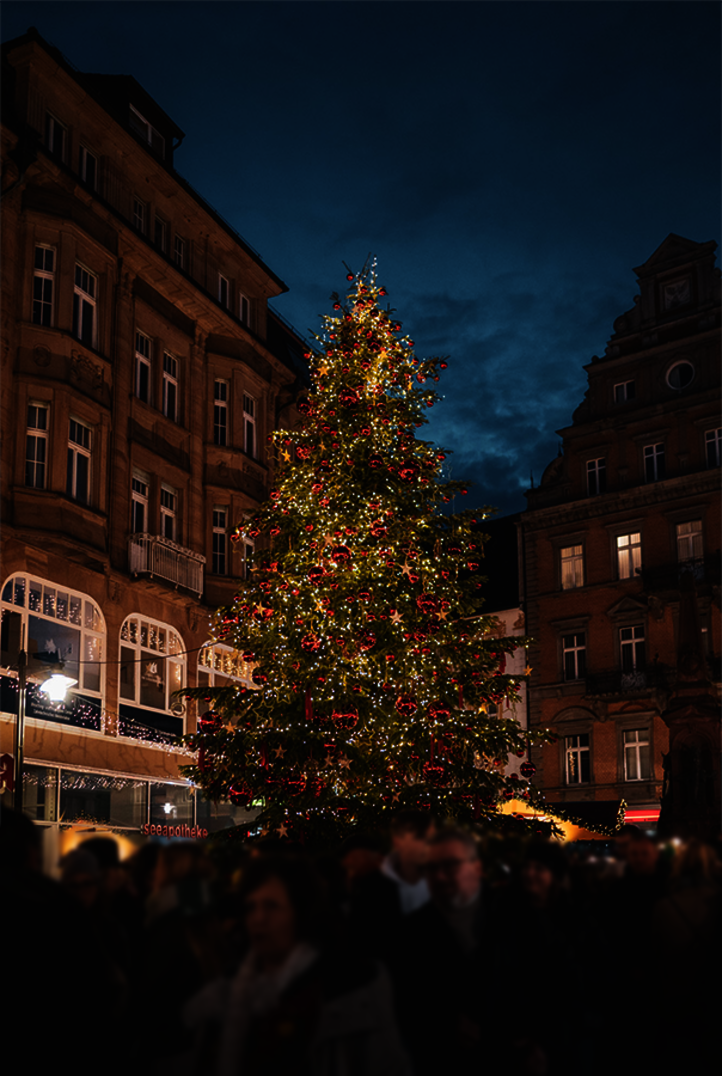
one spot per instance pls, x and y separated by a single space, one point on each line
376 673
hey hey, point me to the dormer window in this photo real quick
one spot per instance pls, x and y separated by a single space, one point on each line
147 132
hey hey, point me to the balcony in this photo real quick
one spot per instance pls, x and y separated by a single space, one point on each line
667 577
159 558
639 681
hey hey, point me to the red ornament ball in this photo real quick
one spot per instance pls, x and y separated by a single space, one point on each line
406 706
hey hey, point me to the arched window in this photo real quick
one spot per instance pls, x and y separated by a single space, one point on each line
152 668
58 625
219 665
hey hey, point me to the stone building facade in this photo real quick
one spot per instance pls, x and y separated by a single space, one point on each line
629 508
142 372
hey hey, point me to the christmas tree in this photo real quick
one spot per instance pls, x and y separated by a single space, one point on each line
376 675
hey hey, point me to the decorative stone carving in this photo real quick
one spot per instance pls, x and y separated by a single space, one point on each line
41 356
84 369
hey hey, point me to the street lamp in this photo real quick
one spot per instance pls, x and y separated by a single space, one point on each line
55 688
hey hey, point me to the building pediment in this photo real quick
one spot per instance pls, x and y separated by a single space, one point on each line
672 251
628 606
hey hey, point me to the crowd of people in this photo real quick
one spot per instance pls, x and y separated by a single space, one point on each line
424 951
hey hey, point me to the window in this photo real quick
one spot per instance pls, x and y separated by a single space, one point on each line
152 663
596 476
220 413
168 504
222 290
43 285
631 646
147 132
220 665
88 168
244 309
179 251
36 446
624 391
143 355
139 215
629 555
712 443
680 375
160 232
170 387
55 136
84 297
689 540
576 752
637 755
61 625
220 540
249 425
654 462
78 483
574 655
572 564
139 504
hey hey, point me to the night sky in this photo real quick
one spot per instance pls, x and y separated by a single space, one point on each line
506 163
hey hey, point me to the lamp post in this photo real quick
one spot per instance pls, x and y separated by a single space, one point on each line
56 688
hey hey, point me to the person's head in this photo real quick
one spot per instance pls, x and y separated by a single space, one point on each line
81 875
411 832
543 871
281 900
642 856
454 869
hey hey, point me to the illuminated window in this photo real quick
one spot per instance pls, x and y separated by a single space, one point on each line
629 555
152 663
61 625
219 665
572 567
577 759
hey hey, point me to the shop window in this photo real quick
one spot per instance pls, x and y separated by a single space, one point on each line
152 663
60 625
220 665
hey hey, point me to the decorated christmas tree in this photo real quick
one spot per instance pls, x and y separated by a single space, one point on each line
376 675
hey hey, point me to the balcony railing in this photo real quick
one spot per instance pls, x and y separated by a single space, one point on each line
616 682
158 557
667 577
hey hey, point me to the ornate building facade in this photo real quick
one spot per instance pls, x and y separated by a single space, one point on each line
142 372
625 516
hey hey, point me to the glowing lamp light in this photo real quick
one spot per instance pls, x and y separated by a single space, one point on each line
56 688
